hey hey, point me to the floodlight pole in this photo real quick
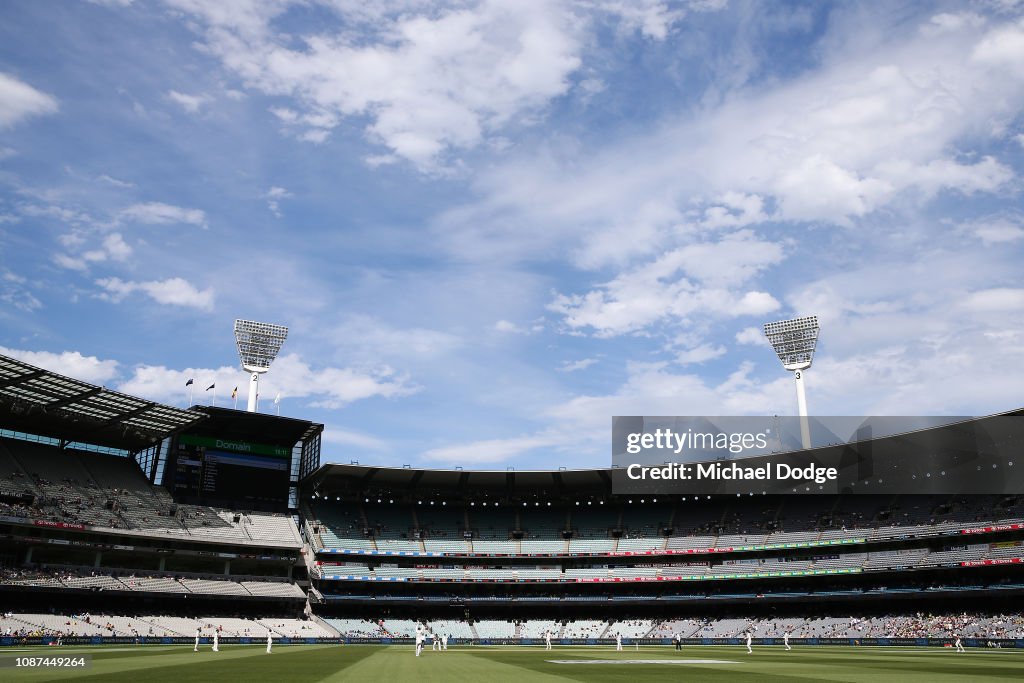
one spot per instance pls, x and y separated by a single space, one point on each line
254 387
258 346
794 342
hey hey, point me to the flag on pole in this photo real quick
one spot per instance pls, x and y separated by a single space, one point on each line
211 386
277 399
188 383
234 393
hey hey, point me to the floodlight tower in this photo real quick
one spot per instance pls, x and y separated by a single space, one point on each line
258 344
794 342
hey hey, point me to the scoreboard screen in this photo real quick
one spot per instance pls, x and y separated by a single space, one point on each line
211 469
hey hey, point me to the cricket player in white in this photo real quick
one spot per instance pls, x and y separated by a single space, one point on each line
216 641
547 640
196 649
419 640
618 642
444 642
270 641
785 639
435 643
959 646
749 650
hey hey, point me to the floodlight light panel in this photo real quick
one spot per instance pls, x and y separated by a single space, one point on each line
794 340
258 343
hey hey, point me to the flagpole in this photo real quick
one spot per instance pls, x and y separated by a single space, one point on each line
191 387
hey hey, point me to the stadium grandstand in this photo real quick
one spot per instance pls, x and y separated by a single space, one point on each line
123 520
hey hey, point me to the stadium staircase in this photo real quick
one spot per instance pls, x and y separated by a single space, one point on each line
162 626
335 633
472 627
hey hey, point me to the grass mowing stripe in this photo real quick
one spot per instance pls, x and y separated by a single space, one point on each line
400 664
397 664
234 663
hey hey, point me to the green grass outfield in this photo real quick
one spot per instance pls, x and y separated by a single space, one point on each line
494 664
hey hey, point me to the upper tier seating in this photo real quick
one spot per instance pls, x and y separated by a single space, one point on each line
79 487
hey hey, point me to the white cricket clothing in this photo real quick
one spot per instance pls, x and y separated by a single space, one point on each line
270 642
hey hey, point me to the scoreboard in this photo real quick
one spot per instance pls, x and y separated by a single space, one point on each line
241 459
208 468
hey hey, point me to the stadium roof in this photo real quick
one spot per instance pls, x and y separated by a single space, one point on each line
351 479
961 446
37 401
227 423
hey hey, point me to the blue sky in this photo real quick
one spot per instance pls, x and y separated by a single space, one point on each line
490 226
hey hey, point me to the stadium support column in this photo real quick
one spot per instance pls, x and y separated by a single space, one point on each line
98 560
254 389
801 402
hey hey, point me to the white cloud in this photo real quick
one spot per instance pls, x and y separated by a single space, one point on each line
996 299
190 103
274 196
573 366
71 363
70 262
334 387
946 22
173 292
733 210
15 292
490 450
19 101
346 437
292 377
430 80
115 248
751 335
652 18
700 354
366 338
877 126
114 181
997 230
1002 47
509 327
159 383
659 290
158 213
